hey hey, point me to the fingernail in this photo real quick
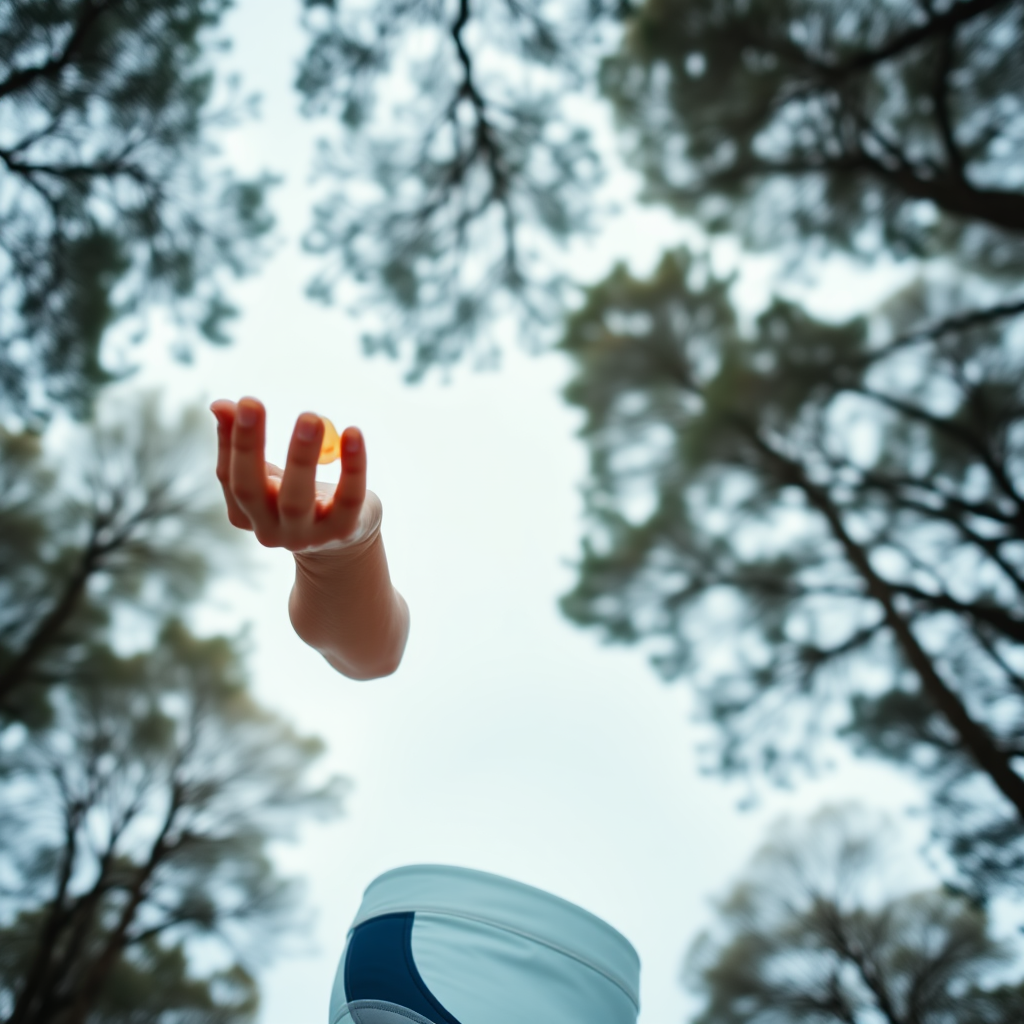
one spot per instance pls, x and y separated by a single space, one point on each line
305 429
246 416
353 442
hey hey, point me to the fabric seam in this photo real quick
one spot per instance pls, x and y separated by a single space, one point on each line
414 973
374 1004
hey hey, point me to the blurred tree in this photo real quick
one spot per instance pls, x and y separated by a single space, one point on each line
820 527
132 528
807 938
109 200
821 523
799 125
140 782
460 159
878 127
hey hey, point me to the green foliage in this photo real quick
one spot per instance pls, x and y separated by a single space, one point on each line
810 937
127 523
140 782
457 163
111 201
818 527
879 127
801 126
156 978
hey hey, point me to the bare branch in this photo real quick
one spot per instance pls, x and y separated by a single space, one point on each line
940 100
23 77
937 25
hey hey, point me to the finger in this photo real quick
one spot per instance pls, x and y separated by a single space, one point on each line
224 411
296 500
248 473
351 490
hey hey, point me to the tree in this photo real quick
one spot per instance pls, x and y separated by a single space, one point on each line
845 496
459 160
877 128
110 201
806 938
135 529
819 526
800 126
140 782
838 505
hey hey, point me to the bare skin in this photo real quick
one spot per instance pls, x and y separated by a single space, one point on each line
342 603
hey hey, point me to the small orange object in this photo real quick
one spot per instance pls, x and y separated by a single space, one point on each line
330 447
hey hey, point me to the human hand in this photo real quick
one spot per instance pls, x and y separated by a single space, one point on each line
288 508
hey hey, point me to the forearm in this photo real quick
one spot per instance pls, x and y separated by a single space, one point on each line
344 605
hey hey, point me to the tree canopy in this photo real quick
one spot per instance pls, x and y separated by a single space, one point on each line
879 127
140 782
110 201
135 526
810 935
465 146
841 500
818 528
457 160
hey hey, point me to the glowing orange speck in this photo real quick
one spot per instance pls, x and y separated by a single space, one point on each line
330 447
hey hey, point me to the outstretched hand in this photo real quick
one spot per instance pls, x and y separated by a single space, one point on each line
288 508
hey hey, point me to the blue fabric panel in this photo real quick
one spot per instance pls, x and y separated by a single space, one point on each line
379 965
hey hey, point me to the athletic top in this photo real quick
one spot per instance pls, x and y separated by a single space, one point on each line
433 944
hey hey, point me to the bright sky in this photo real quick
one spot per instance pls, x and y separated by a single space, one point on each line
509 740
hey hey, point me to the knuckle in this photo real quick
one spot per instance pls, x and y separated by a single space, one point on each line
291 509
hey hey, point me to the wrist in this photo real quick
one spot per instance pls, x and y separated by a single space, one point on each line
328 559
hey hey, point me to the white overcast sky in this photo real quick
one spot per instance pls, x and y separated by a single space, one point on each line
509 740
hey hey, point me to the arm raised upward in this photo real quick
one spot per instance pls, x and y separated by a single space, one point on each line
342 603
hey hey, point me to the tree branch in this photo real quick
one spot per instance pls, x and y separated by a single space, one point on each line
40 971
950 325
79 918
990 614
947 514
939 24
990 648
15 673
105 169
867 970
1000 208
952 429
976 739
25 76
485 136
951 504
940 100
92 560
857 639
100 969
